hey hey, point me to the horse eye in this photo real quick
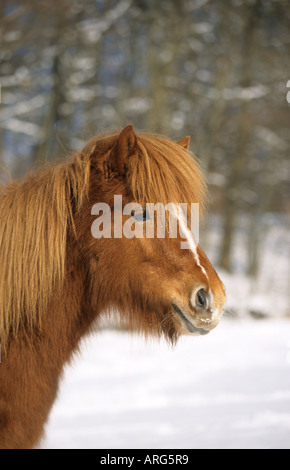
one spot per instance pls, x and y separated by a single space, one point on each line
140 216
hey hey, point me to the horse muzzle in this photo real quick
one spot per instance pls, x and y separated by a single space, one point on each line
187 322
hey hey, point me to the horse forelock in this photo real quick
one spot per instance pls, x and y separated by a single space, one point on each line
160 170
163 171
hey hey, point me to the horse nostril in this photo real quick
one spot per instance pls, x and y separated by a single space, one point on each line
201 299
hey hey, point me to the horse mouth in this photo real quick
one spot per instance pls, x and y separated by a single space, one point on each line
186 323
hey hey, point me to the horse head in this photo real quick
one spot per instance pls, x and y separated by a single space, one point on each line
157 286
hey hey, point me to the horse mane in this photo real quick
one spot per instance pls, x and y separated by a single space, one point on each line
37 213
35 216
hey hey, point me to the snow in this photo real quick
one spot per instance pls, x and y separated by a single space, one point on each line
246 94
23 107
230 389
93 30
24 127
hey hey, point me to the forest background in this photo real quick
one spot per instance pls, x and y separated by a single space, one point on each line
215 70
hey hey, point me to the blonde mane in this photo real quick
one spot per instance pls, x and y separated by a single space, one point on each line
37 212
35 215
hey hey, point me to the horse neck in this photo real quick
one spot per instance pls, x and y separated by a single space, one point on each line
33 362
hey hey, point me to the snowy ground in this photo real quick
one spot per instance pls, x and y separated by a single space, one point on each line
230 389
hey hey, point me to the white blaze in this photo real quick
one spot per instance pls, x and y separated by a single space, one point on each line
187 233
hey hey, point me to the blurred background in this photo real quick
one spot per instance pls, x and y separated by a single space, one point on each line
217 71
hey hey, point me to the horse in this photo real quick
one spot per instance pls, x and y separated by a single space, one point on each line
58 280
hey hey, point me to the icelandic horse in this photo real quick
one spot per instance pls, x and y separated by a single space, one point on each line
57 279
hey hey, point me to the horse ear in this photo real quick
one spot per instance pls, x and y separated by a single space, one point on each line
184 142
123 148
